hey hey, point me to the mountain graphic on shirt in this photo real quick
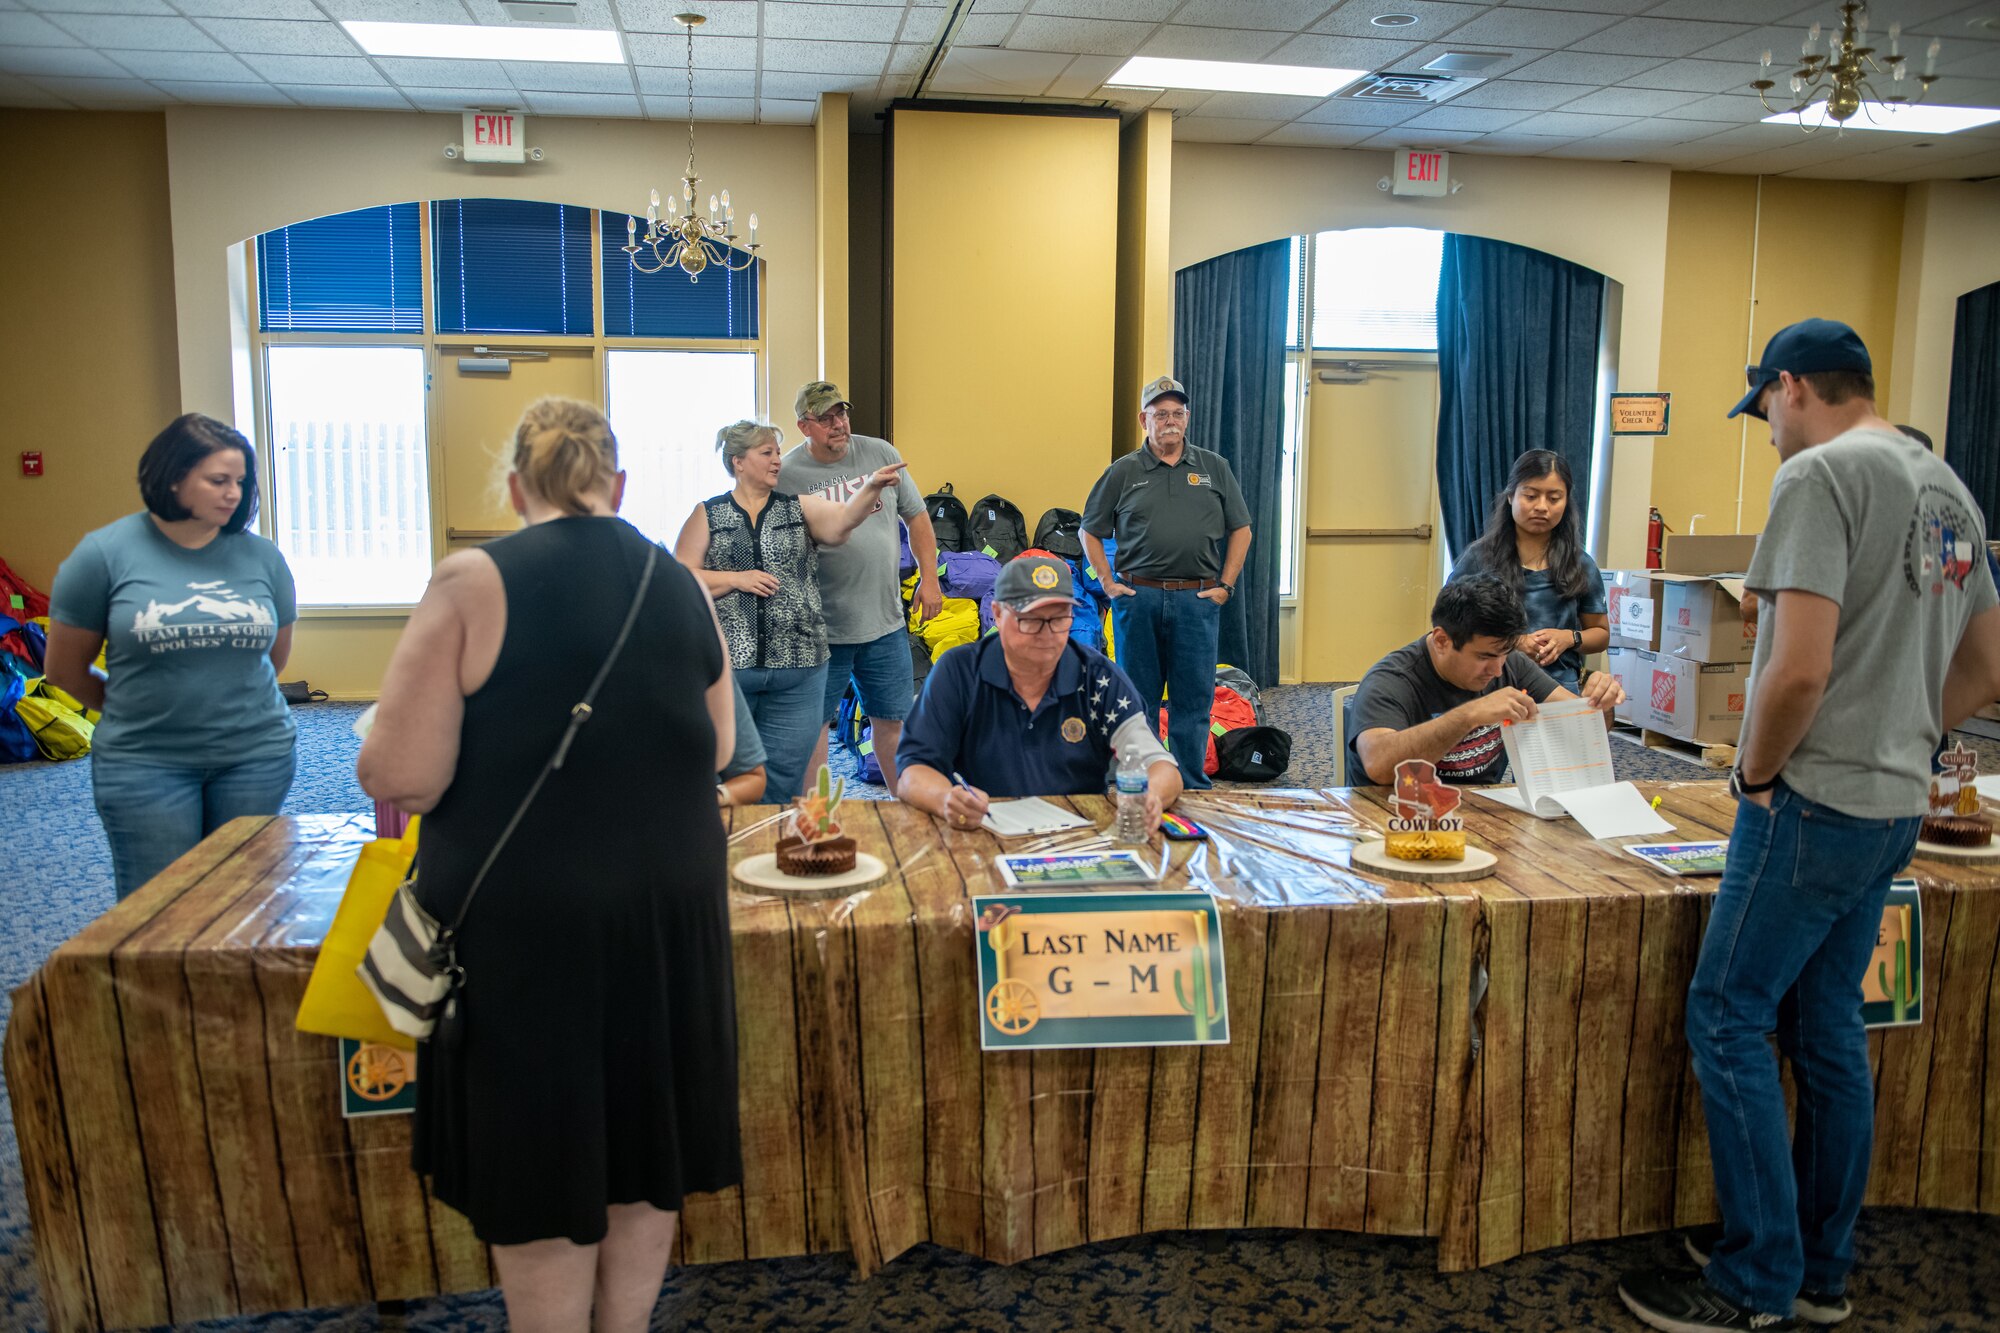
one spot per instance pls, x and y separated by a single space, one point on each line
202 608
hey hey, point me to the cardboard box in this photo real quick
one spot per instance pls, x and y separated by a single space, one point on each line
1620 662
1702 620
1694 701
1721 553
1632 606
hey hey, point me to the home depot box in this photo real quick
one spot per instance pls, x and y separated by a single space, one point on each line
1719 553
1620 663
1701 619
1694 701
1632 607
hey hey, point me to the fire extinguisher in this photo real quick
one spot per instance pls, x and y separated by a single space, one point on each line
1656 529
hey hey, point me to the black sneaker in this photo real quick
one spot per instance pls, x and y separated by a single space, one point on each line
1684 1303
1815 1307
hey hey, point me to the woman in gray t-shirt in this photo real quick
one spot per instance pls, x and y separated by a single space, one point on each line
194 615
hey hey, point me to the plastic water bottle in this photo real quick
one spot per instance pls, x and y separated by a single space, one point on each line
1130 827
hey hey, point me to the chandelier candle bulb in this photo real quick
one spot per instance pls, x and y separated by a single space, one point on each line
1930 57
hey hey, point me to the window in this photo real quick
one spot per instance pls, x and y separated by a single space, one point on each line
665 407
1375 289
511 266
351 475
721 304
1295 295
359 272
1288 485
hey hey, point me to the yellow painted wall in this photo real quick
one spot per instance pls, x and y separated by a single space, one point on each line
1145 284
1951 246
1001 335
1745 258
830 169
86 324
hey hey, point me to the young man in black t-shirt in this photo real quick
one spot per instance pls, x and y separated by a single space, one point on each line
1444 697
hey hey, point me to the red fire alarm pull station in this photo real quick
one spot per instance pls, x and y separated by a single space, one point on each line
31 462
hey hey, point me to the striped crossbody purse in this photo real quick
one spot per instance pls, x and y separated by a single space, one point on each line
412 963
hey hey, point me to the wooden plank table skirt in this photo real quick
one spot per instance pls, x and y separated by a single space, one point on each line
1498 1064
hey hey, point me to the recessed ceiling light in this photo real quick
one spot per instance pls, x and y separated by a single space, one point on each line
469 41
1393 20
1231 76
1902 119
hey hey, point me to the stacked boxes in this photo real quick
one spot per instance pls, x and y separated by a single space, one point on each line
1680 644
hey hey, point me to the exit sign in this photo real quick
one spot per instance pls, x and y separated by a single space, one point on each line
496 136
1421 171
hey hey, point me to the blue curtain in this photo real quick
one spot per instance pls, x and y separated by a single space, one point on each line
1517 370
1229 349
1972 430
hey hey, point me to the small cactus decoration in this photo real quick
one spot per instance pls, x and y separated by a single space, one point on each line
814 820
1202 1005
1899 994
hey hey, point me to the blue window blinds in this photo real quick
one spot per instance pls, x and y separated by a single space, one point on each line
667 304
511 266
359 272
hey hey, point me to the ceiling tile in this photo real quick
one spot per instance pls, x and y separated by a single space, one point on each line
644 48
224 94
1433 19
583 104
1200 129
986 29
353 99
1303 135
461 99
829 23
987 71
1402 136
1970 61
1092 37
1585 67
774 111
1674 131
1269 15
908 59
806 57
1518 95
250 9
32 30
188 66
740 109
158 7
412 72
1722 106
396 11
923 25
1524 145
20 93
1547 29
1608 6
1131 99
1257 106
1181 43
667 82
1659 37
1144 11
278 38
1455 117
96 94
1696 76
1085 75
1607 150
1570 123
1630 101
1339 111
726 18
131 31
75 62
1506 60
1739 11
349 71
1743 49
1341 52
806 87
560 77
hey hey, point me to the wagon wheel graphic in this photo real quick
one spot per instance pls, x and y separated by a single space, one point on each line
377 1073
1011 1006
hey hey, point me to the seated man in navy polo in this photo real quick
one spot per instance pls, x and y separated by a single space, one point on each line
1445 697
1026 711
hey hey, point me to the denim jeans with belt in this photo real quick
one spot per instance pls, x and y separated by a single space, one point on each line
1794 924
1169 639
154 812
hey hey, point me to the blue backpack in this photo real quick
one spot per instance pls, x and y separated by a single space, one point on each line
853 733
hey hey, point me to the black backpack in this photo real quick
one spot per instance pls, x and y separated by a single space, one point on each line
1061 533
1252 754
948 520
998 529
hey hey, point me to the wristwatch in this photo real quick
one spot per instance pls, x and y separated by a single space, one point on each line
1576 636
1741 788
1229 588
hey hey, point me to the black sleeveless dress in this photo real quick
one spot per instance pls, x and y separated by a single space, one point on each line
595 1062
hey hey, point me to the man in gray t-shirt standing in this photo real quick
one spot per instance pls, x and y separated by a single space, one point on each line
860 582
1879 632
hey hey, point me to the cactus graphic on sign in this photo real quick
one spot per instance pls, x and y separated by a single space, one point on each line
1899 994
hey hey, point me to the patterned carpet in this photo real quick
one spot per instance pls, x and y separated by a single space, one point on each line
1918 1271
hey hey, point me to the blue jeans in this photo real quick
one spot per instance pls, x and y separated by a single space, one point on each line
785 703
154 812
1794 924
1169 639
883 675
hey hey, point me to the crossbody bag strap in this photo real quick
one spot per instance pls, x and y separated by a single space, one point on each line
578 715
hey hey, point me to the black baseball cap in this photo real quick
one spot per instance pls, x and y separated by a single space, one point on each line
1804 348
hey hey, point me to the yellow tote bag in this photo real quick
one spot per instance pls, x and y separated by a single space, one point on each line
336 1003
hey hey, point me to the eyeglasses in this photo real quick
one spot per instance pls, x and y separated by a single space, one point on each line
1035 625
1167 415
829 417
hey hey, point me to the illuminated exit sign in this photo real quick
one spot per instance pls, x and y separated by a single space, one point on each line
1421 171
496 136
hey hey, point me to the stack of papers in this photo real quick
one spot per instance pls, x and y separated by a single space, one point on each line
1030 814
1562 765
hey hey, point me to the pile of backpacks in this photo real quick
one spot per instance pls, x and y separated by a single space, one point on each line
37 720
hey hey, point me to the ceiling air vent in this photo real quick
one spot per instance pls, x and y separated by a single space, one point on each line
540 11
1406 88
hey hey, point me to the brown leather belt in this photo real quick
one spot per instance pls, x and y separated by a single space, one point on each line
1174 585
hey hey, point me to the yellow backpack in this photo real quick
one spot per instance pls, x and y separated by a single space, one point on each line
61 732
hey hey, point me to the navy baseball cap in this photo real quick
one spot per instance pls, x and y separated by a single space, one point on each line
1804 348
1029 581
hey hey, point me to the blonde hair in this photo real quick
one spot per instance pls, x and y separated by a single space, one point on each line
740 437
563 451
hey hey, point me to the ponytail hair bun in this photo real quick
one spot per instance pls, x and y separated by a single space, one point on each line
564 451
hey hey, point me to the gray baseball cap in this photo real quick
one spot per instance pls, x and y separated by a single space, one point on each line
818 397
1160 388
1029 581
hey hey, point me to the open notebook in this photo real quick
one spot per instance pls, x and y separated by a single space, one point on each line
1561 763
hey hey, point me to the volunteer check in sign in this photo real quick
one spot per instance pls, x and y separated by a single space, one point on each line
1067 970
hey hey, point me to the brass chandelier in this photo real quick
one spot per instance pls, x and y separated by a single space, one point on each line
1838 78
690 241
